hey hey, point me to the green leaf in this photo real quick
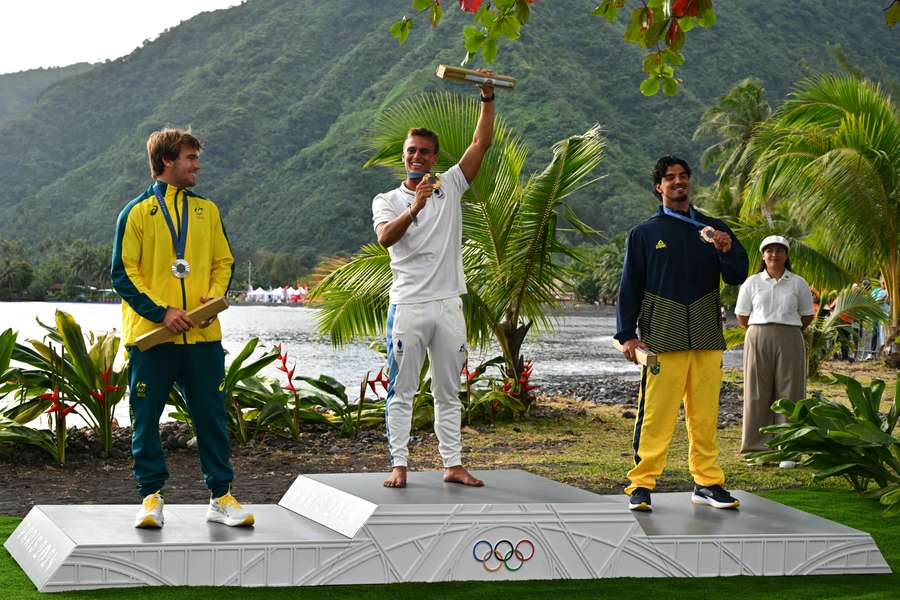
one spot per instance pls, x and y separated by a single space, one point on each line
490 50
678 43
485 17
421 5
655 33
838 470
510 27
652 63
523 11
400 30
437 13
670 86
707 18
672 57
892 14
633 32
650 86
606 9
687 23
474 38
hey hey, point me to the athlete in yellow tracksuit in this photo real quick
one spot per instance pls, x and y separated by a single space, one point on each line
170 255
670 291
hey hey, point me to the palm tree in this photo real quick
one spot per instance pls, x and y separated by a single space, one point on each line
510 251
732 120
832 152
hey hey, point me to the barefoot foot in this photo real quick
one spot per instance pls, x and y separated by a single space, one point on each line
397 478
458 474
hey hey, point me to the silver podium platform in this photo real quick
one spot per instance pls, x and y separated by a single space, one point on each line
347 528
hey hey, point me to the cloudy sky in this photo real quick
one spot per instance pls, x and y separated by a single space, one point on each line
55 33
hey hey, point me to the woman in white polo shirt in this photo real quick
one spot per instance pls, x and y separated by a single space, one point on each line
775 305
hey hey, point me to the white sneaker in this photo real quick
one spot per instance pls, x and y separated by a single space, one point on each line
787 464
226 509
151 512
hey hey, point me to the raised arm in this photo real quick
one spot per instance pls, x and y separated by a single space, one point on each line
471 159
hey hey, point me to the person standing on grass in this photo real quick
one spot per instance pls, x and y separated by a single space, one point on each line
420 223
670 292
171 255
775 305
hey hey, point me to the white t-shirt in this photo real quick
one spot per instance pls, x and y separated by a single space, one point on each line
427 260
769 300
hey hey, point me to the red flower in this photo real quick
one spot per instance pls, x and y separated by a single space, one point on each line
284 369
57 406
379 378
470 5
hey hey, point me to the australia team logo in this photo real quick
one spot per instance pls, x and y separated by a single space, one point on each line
494 557
140 389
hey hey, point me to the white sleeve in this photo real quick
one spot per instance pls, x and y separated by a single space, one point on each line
455 178
804 299
382 211
744 304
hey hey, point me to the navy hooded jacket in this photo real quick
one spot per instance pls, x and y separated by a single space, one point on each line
670 284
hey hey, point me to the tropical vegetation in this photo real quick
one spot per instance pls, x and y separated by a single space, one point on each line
831 155
512 248
855 442
283 129
658 25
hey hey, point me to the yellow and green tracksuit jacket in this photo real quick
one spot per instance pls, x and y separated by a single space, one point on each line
143 254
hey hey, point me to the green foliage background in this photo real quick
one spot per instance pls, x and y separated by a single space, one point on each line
282 93
18 91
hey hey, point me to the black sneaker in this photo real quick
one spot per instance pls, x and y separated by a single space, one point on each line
714 495
640 500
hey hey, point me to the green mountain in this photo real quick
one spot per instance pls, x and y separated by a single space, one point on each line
282 93
18 91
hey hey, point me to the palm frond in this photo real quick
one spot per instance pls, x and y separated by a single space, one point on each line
355 296
530 278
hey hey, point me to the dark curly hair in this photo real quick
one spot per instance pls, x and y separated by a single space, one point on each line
662 165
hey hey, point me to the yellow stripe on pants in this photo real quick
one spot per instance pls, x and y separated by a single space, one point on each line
694 376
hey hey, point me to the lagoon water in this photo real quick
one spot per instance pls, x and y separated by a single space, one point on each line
578 348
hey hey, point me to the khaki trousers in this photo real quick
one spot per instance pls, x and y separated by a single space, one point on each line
774 368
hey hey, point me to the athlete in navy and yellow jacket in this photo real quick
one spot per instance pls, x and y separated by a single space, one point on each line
170 255
670 293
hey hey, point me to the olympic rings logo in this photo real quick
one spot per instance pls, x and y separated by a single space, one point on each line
504 553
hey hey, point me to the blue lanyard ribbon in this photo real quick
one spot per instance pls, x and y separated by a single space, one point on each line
687 219
179 240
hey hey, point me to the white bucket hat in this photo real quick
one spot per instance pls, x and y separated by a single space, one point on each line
775 239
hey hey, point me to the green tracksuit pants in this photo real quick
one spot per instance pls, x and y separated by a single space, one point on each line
199 372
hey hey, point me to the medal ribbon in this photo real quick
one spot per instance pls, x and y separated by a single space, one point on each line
179 240
687 219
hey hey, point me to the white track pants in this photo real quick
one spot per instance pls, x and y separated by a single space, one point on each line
440 328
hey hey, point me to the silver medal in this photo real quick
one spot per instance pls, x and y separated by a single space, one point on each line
180 268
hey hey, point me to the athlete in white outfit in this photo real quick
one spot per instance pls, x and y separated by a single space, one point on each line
421 226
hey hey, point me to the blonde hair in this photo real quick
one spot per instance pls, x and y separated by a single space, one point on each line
166 144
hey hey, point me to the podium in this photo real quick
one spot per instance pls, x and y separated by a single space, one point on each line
333 529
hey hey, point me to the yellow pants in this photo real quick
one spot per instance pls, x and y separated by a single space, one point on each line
694 376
